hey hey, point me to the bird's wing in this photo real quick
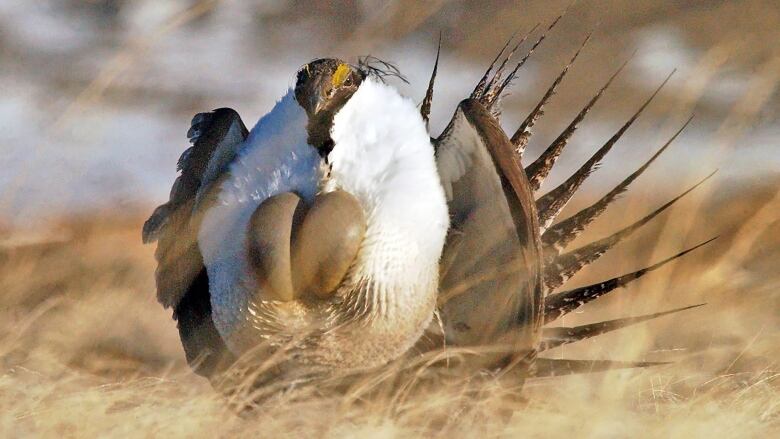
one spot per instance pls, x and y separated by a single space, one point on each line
491 263
182 281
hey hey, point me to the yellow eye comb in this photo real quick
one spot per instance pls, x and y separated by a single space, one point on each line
340 75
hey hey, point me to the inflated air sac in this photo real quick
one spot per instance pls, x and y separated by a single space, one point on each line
327 243
298 251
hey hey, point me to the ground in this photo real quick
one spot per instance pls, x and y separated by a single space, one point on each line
86 351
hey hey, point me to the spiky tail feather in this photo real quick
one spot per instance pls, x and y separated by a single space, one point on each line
563 267
541 167
479 89
551 204
425 107
494 94
560 304
558 336
520 137
557 237
549 367
489 89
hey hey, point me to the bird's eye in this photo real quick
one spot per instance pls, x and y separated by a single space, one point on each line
348 81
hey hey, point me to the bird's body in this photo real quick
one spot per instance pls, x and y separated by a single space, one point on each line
388 296
275 158
335 229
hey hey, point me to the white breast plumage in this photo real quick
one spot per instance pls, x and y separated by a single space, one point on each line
275 158
382 155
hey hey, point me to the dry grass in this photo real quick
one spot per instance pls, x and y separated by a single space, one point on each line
86 352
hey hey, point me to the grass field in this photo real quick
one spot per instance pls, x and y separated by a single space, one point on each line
87 352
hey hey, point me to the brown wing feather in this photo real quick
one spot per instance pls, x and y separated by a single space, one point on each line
491 284
182 282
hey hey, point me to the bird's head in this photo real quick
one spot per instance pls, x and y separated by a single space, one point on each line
322 88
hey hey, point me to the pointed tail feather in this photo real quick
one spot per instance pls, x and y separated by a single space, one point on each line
549 367
557 237
498 90
523 133
560 304
541 167
425 108
563 267
491 85
551 204
554 337
479 90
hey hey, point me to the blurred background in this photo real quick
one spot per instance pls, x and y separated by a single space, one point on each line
96 97
97 94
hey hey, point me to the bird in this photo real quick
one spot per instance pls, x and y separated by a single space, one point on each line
341 232
323 222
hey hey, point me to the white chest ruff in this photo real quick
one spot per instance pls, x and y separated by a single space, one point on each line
382 156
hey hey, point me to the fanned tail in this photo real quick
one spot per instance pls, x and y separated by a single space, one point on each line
558 268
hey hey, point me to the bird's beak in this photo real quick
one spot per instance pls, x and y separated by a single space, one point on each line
317 101
318 104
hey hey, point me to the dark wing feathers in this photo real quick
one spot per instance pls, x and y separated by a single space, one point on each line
210 133
516 184
204 349
493 229
182 281
217 132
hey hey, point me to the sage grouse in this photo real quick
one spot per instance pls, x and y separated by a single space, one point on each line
338 227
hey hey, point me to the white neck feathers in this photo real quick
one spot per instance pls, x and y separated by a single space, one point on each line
383 155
